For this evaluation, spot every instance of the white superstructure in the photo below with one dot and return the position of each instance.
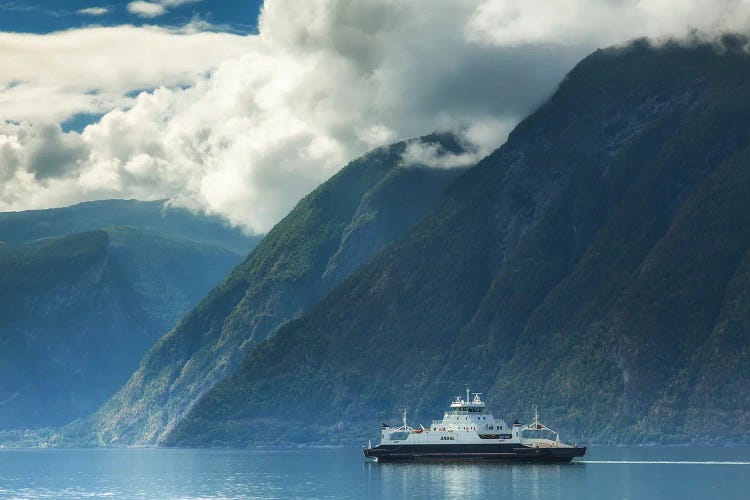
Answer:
(468, 422)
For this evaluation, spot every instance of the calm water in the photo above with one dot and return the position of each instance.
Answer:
(620, 473)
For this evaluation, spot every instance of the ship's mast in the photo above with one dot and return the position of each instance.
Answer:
(467, 393)
(404, 417)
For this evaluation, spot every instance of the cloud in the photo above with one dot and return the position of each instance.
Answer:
(35, 157)
(177, 3)
(93, 11)
(323, 82)
(155, 8)
(52, 77)
(591, 22)
(479, 139)
(435, 156)
(146, 9)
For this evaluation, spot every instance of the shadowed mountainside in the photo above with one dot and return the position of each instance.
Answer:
(77, 312)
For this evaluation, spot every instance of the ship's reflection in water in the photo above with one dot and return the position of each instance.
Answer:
(470, 480)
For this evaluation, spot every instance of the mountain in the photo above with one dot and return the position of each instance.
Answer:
(327, 236)
(155, 217)
(77, 312)
(597, 264)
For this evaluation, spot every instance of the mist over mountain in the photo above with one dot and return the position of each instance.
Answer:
(79, 309)
(330, 234)
(596, 265)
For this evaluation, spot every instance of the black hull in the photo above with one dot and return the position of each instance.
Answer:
(472, 452)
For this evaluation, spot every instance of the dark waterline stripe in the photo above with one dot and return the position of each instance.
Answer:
(661, 462)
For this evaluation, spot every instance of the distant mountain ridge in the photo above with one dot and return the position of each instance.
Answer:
(79, 309)
(329, 234)
(156, 217)
(597, 264)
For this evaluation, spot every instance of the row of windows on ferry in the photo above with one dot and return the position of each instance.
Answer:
(467, 418)
(490, 427)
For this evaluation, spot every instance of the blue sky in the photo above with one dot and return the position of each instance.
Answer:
(44, 16)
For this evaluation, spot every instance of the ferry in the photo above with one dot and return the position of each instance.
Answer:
(469, 432)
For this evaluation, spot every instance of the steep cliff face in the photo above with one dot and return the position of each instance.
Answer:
(78, 312)
(596, 265)
(329, 234)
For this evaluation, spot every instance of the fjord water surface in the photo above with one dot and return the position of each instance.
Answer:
(616, 473)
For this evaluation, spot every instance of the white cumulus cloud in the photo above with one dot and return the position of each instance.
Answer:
(155, 8)
(322, 82)
(512, 22)
(93, 70)
(146, 9)
(93, 11)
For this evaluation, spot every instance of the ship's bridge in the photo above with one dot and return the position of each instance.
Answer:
(467, 406)
(469, 415)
